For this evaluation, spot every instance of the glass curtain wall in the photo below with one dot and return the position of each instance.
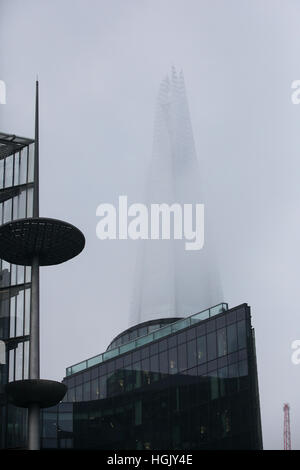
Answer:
(16, 202)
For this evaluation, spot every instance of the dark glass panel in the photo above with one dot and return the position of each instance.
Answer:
(153, 348)
(87, 376)
(137, 366)
(243, 374)
(223, 374)
(154, 363)
(211, 326)
(221, 322)
(142, 331)
(71, 394)
(191, 334)
(103, 386)
(86, 391)
(182, 357)
(50, 425)
(163, 362)
(136, 355)
(181, 337)
(211, 346)
(95, 391)
(145, 352)
(232, 378)
(193, 371)
(94, 372)
(240, 314)
(79, 379)
(172, 341)
(163, 345)
(111, 366)
(212, 365)
(201, 330)
(242, 355)
(119, 363)
(125, 338)
(65, 422)
(241, 329)
(145, 365)
(232, 358)
(201, 349)
(243, 368)
(222, 343)
(173, 361)
(232, 338)
(78, 393)
(127, 360)
(192, 353)
(222, 362)
(214, 385)
(231, 317)
(102, 369)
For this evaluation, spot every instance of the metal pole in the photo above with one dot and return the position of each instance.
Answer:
(36, 202)
(34, 345)
(34, 348)
(34, 427)
(34, 355)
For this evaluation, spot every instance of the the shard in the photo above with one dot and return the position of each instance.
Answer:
(170, 281)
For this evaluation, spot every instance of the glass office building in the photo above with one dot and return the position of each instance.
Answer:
(166, 384)
(16, 202)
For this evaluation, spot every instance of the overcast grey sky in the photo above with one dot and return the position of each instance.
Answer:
(100, 63)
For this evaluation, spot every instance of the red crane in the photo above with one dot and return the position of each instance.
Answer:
(286, 428)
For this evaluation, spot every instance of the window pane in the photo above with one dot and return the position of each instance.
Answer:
(78, 392)
(163, 362)
(191, 353)
(214, 386)
(11, 365)
(241, 327)
(103, 387)
(95, 389)
(9, 171)
(154, 363)
(26, 359)
(16, 171)
(7, 217)
(243, 368)
(222, 346)
(86, 391)
(182, 357)
(65, 422)
(173, 363)
(23, 166)
(211, 346)
(201, 349)
(231, 338)
(22, 205)
(30, 202)
(20, 312)
(19, 362)
(31, 163)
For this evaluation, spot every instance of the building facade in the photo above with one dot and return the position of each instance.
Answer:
(177, 384)
(16, 202)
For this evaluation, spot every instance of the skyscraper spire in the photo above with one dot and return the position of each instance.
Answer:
(170, 282)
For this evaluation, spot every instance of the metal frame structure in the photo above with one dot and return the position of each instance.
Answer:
(35, 241)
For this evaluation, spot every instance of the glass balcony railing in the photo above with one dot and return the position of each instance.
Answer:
(142, 340)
